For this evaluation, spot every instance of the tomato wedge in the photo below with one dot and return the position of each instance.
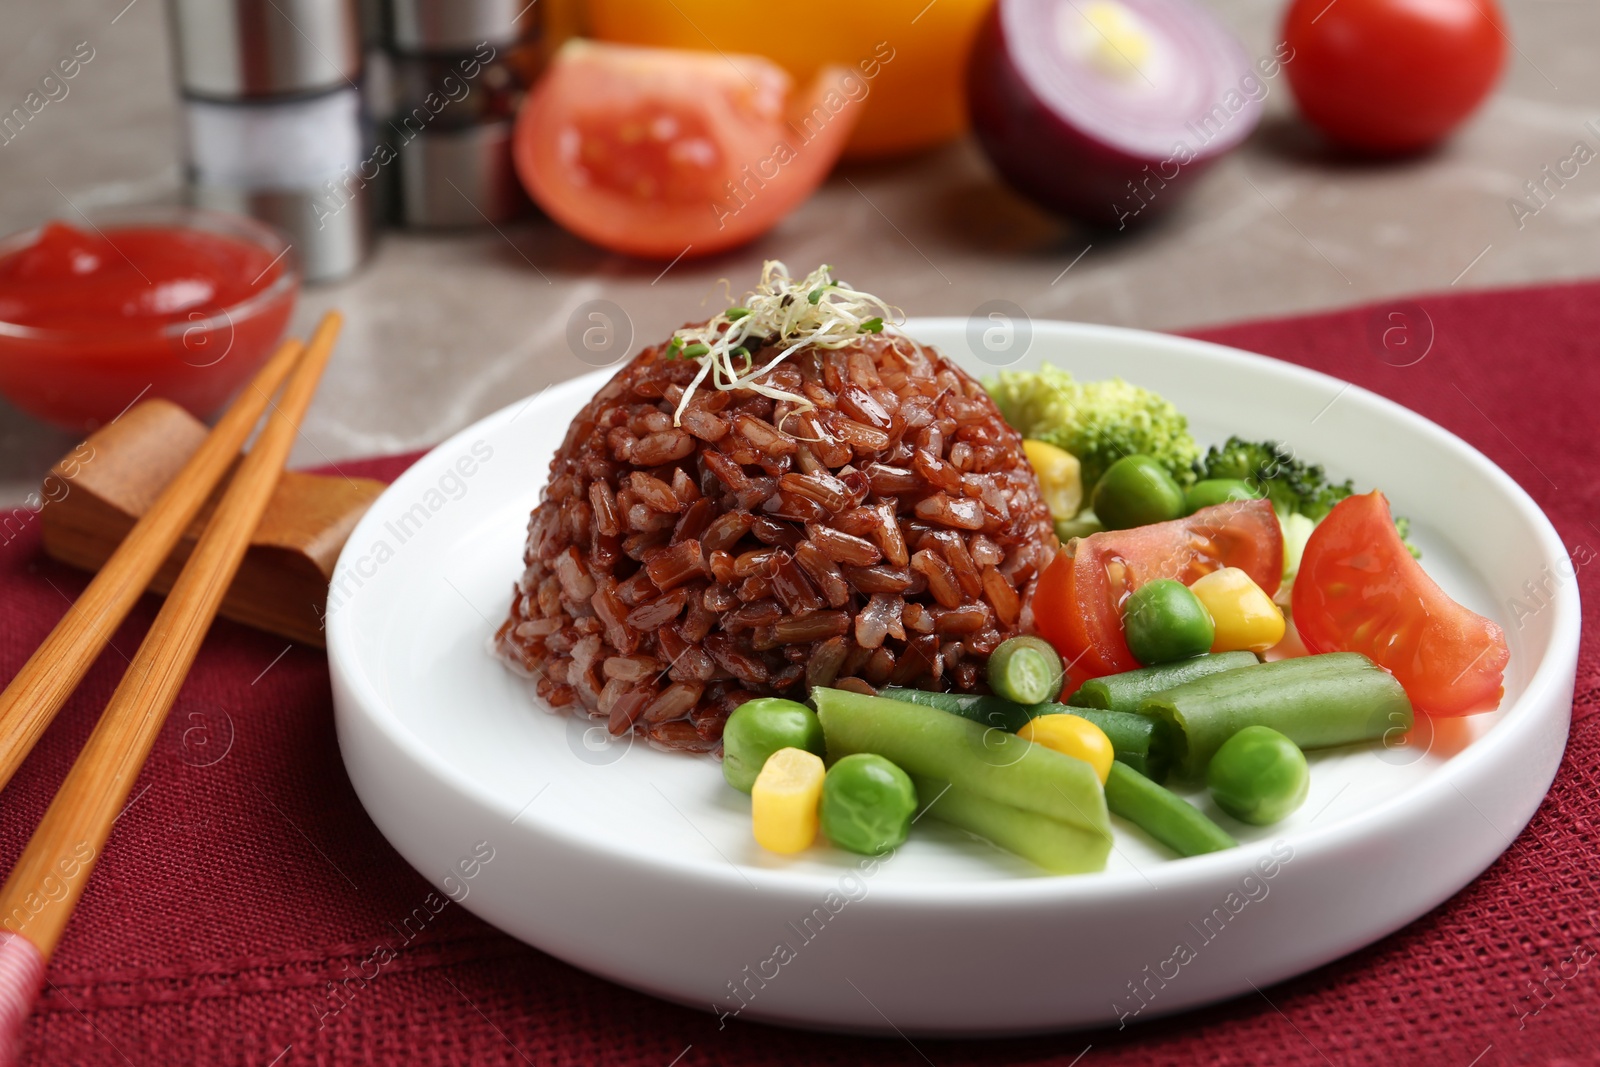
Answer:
(1077, 605)
(662, 153)
(1359, 590)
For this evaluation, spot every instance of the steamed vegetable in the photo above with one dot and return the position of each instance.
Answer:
(758, 728)
(1059, 847)
(1136, 490)
(783, 801)
(983, 709)
(1245, 618)
(1060, 477)
(988, 763)
(1164, 621)
(1099, 422)
(1209, 491)
(1316, 701)
(1163, 814)
(867, 804)
(1126, 691)
(1258, 776)
(1294, 486)
(1138, 740)
(1025, 670)
(1083, 524)
(1077, 603)
(1075, 736)
(1142, 742)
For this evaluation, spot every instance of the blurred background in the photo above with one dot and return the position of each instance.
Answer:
(445, 324)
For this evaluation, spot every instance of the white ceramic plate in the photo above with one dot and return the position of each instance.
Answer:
(638, 865)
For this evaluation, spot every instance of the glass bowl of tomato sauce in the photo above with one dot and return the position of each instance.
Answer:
(102, 310)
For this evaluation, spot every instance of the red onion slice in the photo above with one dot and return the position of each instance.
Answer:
(1107, 110)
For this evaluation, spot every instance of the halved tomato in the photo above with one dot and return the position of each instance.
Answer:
(1359, 590)
(662, 153)
(1077, 605)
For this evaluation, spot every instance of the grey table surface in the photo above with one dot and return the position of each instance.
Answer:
(442, 329)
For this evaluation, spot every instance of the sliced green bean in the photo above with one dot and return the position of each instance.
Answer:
(1163, 814)
(1058, 847)
(1141, 741)
(1026, 670)
(1126, 691)
(986, 762)
(1336, 698)
(985, 710)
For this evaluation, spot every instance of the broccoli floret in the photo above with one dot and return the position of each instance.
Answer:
(1294, 487)
(1099, 422)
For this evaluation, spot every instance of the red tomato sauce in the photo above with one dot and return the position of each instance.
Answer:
(93, 319)
(128, 276)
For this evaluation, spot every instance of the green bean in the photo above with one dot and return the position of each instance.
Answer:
(998, 712)
(1027, 670)
(1126, 691)
(983, 761)
(1163, 814)
(1142, 742)
(1315, 701)
(1058, 847)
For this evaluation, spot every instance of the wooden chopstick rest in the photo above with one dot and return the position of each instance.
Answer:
(100, 489)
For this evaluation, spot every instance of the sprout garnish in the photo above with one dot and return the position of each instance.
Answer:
(781, 311)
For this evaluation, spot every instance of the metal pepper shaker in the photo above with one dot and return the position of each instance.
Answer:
(275, 121)
(458, 69)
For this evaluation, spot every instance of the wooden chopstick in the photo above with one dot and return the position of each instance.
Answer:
(41, 687)
(44, 886)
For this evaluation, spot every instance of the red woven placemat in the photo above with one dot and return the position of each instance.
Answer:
(244, 899)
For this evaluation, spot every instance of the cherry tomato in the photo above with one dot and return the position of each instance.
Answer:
(1359, 590)
(909, 57)
(657, 152)
(1077, 605)
(1392, 75)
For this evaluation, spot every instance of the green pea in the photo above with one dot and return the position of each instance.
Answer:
(1211, 491)
(867, 804)
(1258, 776)
(757, 729)
(1136, 491)
(1163, 621)
(1026, 670)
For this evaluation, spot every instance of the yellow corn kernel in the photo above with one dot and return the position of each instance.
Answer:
(783, 803)
(1245, 615)
(1060, 477)
(1074, 736)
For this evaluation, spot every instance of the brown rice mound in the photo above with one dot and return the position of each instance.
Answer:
(892, 533)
